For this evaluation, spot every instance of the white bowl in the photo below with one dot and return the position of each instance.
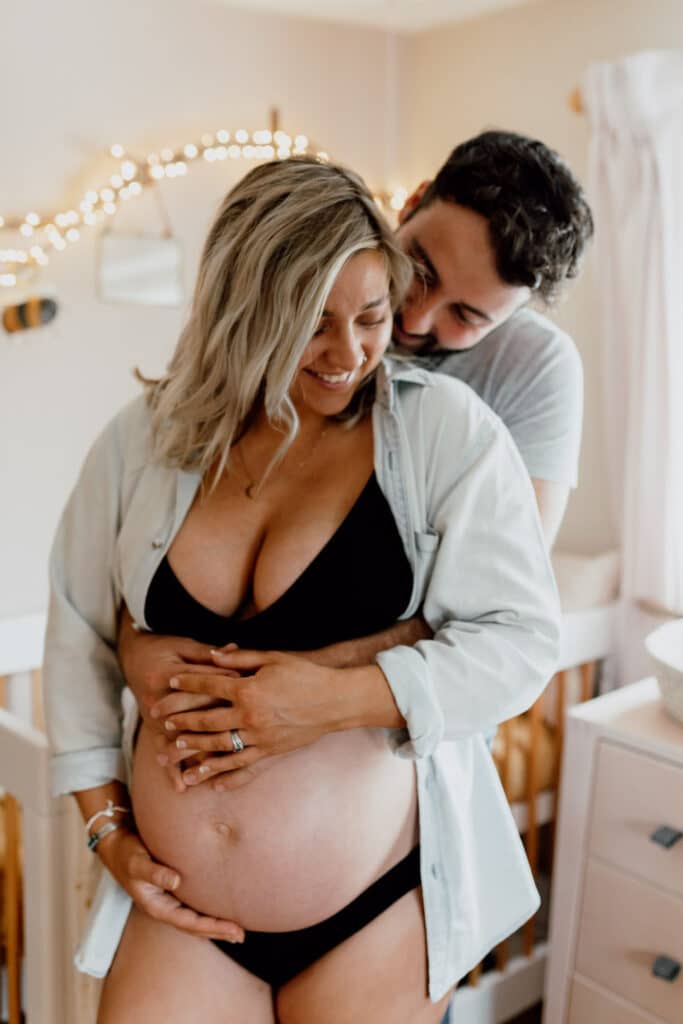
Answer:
(665, 647)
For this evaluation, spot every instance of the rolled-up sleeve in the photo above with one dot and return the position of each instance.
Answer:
(490, 599)
(82, 681)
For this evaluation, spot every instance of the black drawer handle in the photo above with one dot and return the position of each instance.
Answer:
(666, 836)
(666, 968)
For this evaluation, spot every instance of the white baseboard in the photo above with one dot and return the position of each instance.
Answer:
(501, 995)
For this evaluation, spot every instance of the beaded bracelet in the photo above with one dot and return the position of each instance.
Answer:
(106, 830)
(108, 812)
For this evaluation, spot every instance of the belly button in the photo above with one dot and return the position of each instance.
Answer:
(224, 829)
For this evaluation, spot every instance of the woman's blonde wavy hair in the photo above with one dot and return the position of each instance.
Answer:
(278, 243)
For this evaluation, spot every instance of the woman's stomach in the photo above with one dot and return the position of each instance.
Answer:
(294, 844)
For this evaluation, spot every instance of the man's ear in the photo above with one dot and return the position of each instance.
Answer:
(413, 201)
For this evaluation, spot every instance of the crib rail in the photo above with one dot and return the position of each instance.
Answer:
(537, 807)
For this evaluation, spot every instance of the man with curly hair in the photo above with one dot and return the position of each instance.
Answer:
(503, 222)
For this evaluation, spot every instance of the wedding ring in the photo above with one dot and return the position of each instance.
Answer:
(237, 743)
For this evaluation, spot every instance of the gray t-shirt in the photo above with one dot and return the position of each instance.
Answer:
(529, 372)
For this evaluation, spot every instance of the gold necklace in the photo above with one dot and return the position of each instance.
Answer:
(252, 484)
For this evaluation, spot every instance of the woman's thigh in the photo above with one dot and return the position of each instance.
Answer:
(379, 975)
(161, 975)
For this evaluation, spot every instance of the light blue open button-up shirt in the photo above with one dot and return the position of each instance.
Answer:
(466, 512)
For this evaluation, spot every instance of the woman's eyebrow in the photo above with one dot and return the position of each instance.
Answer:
(368, 305)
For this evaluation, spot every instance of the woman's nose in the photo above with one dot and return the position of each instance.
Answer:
(346, 350)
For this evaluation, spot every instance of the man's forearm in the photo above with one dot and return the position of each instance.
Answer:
(362, 651)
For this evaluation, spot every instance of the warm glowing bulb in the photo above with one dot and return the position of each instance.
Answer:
(283, 152)
(73, 234)
(268, 152)
(106, 195)
(33, 219)
(62, 220)
(153, 159)
(301, 142)
(190, 151)
(157, 171)
(181, 167)
(8, 280)
(234, 152)
(322, 155)
(262, 137)
(135, 188)
(210, 154)
(207, 139)
(128, 170)
(2, 221)
(167, 155)
(90, 218)
(110, 208)
(116, 181)
(241, 136)
(91, 197)
(221, 152)
(117, 151)
(222, 136)
(26, 230)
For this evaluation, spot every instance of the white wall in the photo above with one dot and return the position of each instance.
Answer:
(515, 69)
(84, 74)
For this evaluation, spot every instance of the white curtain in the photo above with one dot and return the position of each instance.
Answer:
(635, 108)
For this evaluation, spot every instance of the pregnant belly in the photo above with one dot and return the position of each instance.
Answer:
(293, 845)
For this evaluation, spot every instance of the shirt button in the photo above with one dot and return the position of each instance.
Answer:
(157, 542)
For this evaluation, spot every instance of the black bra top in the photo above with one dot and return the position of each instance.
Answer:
(359, 583)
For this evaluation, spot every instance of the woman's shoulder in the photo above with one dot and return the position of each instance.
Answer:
(441, 402)
(125, 442)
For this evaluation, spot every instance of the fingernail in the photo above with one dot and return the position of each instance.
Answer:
(203, 769)
(181, 744)
(174, 683)
(170, 726)
(162, 759)
(175, 882)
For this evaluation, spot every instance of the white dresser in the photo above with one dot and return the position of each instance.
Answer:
(616, 926)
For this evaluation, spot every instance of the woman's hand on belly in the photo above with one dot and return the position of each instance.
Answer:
(151, 886)
(286, 703)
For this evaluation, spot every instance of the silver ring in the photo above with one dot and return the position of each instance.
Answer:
(237, 743)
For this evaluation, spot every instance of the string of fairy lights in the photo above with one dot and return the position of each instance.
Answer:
(44, 235)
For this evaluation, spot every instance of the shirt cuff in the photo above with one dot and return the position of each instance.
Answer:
(410, 685)
(84, 769)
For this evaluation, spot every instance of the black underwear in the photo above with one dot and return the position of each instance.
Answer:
(277, 957)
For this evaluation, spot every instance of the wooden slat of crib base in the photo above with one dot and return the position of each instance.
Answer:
(474, 976)
(37, 699)
(501, 954)
(12, 902)
(531, 837)
(587, 680)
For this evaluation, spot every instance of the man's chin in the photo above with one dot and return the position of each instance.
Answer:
(411, 343)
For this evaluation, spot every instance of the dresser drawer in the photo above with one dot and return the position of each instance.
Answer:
(625, 926)
(634, 796)
(588, 1006)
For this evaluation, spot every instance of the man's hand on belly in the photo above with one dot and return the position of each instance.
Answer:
(285, 703)
(149, 661)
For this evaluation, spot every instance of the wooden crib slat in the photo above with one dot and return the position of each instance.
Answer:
(587, 679)
(12, 902)
(531, 839)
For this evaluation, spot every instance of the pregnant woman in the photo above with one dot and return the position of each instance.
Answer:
(285, 487)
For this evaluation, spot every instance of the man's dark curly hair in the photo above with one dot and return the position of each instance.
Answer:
(539, 219)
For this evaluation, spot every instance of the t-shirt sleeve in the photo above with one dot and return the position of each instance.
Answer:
(542, 407)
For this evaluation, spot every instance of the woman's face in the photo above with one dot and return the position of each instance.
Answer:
(351, 338)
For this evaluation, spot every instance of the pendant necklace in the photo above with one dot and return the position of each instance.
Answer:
(250, 490)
